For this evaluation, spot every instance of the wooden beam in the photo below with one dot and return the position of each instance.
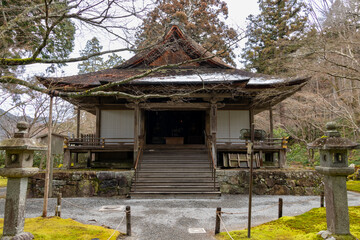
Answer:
(115, 106)
(174, 105)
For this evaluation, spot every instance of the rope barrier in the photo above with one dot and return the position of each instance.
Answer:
(116, 229)
(222, 221)
(271, 206)
(74, 205)
(263, 209)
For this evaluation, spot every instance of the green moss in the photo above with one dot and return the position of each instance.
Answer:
(65, 229)
(305, 226)
(353, 185)
(88, 170)
(3, 182)
(18, 61)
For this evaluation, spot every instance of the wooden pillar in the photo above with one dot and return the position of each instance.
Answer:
(271, 122)
(98, 122)
(252, 130)
(77, 131)
(67, 159)
(136, 129)
(97, 127)
(282, 158)
(142, 125)
(49, 165)
(213, 128)
(77, 122)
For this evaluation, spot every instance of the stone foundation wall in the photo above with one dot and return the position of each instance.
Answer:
(118, 183)
(84, 183)
(271, 182)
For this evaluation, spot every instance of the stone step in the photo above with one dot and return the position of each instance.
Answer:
(174, 172)
(182, 195)
(174, 184)
(174, 175)
(175, 165)
(172, 188)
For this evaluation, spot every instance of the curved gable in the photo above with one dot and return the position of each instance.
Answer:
(176, 47)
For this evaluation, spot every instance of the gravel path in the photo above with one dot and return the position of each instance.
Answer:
(171, 218)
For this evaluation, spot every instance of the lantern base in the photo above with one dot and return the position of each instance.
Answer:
(18, 172)
(22, 236)
(335, 171)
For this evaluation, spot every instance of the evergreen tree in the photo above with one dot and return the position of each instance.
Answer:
(201, 19)
(273, 34)
(23, 28)
(96, 63)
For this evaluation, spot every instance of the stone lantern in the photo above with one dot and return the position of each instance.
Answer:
(18, 168)
(334, 167)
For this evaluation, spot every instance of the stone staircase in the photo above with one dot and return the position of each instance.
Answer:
(175, 172)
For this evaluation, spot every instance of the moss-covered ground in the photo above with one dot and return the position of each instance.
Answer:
(56, 228)
(353, 185)
(305, 226)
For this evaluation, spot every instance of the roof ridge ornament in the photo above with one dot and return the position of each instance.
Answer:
(175, 21)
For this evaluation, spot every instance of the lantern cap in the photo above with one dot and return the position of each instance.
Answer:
(21, 141)
(332, 140)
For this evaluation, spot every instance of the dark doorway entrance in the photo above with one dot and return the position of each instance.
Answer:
(175, 127)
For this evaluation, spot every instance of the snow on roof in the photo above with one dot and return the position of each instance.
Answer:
(195, 78)
(211, 78)
(265, 81)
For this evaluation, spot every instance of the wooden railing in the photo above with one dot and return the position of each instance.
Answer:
(137, 161)
(87, 140)
(268, 142)
(210, 147)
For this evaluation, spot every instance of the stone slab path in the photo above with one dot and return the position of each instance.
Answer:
(170, 219)
(2, 192)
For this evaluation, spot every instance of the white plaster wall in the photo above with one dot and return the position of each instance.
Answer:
(117, 124)
(230, 122)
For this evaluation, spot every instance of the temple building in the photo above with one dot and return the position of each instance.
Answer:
(182, 121)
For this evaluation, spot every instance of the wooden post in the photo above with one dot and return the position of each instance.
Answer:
(280, 208)
(58, 206)
(282, 158)
(142, 126)
(77, 131)
(252, 136)
(98, 122)
(136, 130)
(48, 161)
(322, 197)
(77, 122)
(271, 122)
(128, 221)
(51, 175)
(217, 223)
(271, 119)
(67, 159)
(213, 128)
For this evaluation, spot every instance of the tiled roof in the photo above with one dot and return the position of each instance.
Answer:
(176, 47)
